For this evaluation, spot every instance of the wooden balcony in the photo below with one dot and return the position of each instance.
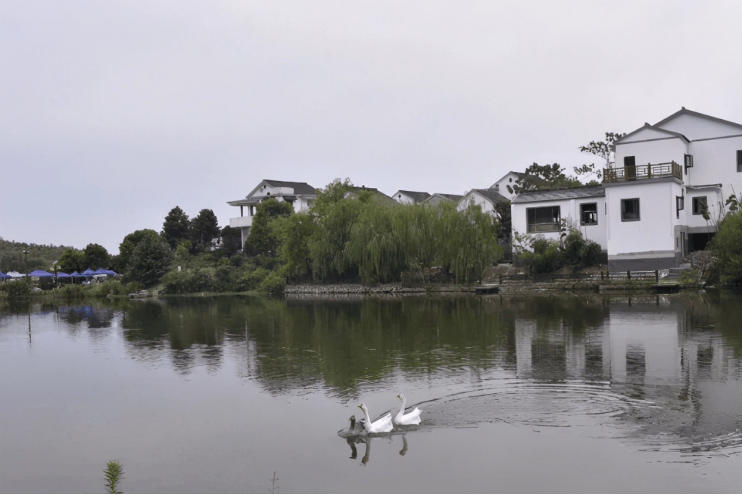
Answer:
(641, 172)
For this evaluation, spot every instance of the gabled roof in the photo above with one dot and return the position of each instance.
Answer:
(654, 128)
(417, 196)
(684, 111)
(560, 194)
(299, 187)
(490, 194)
(452, 197)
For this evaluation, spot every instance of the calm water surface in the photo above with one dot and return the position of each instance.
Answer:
(519, 394)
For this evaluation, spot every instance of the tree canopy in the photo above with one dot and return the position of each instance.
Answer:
(176, 227)
(204, 227)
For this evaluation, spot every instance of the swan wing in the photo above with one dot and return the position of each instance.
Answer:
(411, 418)
(382, 425)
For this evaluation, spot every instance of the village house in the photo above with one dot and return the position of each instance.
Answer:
(649, 212)
(410, 197)
(298, 194)
(485, 198)
(440, 198)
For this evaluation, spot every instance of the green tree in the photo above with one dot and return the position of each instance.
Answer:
(543, 177)
(602, 149)
(150, 260)
(262, 241)
(204, 227)
(176, 227)
(727, 247)
(293, 234)
(127, 247)
(231, 240)
(96, 256)
(71, 260)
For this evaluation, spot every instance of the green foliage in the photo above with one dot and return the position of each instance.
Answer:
(543, 177)
(262, 240)
(107, 287)
(252, 279)
(506, 223)
(127, 247)
(204, 227)
(187, 282)
(113, 473)
(727, 247)
(36, 256)
(293, 234)
(72, 291)
(546, 256)
(176, 227)
(15, 288)
(273, 284)
(71, 261)
(231, 240)
(96, 256)
(150, 260)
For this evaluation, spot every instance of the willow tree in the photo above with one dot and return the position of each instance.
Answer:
(375, 246)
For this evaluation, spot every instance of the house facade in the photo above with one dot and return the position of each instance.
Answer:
(509, 179)
(484, 198)
(440, 198)
(651, 213)
(410, 197)
(298, 194)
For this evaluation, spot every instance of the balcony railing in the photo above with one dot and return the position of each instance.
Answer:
(239, 222)
(641, 172)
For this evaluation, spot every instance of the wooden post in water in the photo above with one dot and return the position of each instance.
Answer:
(628, 274)
(657, 276)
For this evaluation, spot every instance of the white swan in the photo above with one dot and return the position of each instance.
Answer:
(381, 425)
(411, 418)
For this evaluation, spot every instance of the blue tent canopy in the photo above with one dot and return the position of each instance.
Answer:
(40, 273)
(75, 274)
(88, 273)
(62, 275)
(3, 276)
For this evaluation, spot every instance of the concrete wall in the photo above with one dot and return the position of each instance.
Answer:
(660, 151)
(694, 127)
(651, 242)
(715, 162)
(570, 211)
(501, 185)
(477, 199)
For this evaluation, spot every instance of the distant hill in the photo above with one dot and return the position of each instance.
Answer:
(39, 257)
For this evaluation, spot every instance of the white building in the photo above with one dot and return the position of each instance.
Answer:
(652, 210)
(485, 198)
(509, 179)
(410, 197)
(298, 194)
(440, 198)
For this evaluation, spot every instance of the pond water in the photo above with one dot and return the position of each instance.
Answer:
(519, 394)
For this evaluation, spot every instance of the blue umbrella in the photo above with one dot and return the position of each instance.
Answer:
(40, 273)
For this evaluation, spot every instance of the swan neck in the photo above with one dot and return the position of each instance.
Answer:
(368, 419)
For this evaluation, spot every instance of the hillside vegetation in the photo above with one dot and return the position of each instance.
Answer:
(38, 256)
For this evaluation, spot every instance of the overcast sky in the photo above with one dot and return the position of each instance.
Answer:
(112, 113)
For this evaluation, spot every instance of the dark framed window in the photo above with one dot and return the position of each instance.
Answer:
(739, 160)
(699, 205)
(679, 205)
(688, 162)
(629, 163)
(589, 214)
(630, 210)
(546, 219)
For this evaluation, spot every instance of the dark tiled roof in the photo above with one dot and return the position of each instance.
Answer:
(560, 194)
(417, 196)
(299, 187)
(452, 197)
(491, 194)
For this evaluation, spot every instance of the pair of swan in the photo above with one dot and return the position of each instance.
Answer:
(384, 424)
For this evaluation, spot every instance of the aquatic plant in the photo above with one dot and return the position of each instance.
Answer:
(114, 473)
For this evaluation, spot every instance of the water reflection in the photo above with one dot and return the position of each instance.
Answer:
(669, 364)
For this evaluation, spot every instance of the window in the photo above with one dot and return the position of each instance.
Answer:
(589, 214)
(629, 163)
(699, 205)
(630, 210)
(545, 219)
(739, 160)
(679, 205)
(688, 162)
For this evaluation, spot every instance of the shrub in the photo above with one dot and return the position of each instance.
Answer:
(72, 291)
(545, 258)
(187, 282)
(251, 280)
(273, 284)
(16, 288)
(112, 287)
(727, 247)
(591, 253)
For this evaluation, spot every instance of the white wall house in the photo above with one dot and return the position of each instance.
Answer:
(485, 198)
(509, 179)
(651, 212)
(410, 197)
(440, 198)
(540, 212)
(298, 194)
